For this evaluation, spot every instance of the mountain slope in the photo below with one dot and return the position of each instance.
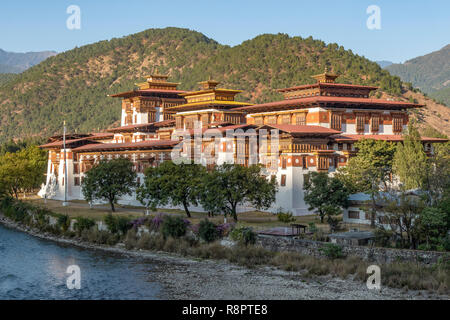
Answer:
(74, 85)
(429, 73)
(5, 77)
(442, 95)
(384, 63)
(13, 62)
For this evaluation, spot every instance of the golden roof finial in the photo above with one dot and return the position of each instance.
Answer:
(208, 84)
(325, 77)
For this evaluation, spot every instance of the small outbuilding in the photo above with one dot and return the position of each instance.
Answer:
(355, 238)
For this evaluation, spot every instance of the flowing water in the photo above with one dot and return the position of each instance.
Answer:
(31, 268)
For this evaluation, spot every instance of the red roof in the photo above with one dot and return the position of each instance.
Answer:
(143, 91)
(132, 127)
(323, 84)
(148, 144)
(220, 129)
(385, 137)
(291, 128)
(325, 100)
(60, 143)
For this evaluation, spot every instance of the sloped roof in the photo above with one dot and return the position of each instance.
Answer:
(385, 137)
(148, 144)
(291, 128)
(283, 104)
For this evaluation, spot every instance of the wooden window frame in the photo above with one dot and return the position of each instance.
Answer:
(360, 123)
(283, 180)
(356, 214)
(300, 119)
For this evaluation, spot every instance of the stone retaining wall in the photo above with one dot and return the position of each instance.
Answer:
(372, 254)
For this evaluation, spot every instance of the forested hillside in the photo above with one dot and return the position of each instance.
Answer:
(429, 73)
(442, 95)
(74, 85)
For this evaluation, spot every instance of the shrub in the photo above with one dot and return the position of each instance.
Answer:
(244, 235)
(117, 224)
(332, 251)
(207, 231)
(131, 239)
(17, 211)
(312, 227)
(173, 227)
(285, 217)
(224, 229)
(383, 237)
(63, 222)
(83, 224)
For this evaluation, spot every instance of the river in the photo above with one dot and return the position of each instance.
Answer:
(32, 268)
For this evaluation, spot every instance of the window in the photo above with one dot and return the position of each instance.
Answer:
(375, 123)
(75, 168)
(340, 146)
(272, 120)
(76, 181)
(205, 120)
(286, 119)
(258, 120)
(300, 119)
(283, 180)
(397, 124)
(353, 214)
(304, 163)
(336, 121)
(283, 163)
(189, 122)
(179, 123)
(151, 116)
(360, 119)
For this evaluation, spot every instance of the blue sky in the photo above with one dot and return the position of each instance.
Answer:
(408, 28)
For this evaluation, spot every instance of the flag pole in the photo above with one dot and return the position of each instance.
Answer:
(65, 203)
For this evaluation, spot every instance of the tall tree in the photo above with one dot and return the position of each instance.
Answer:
(109, 180)
(370, 170)
(400, 212)
(22, 170)
(410, 160)
(178, 184)
(325, 194)
(236, 185)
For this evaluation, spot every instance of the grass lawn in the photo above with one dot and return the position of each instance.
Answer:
(256, 219)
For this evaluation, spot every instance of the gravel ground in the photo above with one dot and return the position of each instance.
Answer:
(197, 280)
(193, 279)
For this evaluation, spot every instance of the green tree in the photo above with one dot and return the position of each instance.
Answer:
(325, 194)
(370, 170)
(400, 212)
(179, 184)
(109, 180)
(238, 185)
(22, 170)
(433, 227)
(410, 160)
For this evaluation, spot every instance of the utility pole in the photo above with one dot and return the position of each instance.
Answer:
(65, 203)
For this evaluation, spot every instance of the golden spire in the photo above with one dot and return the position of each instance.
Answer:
(208, 84)
(325, 77)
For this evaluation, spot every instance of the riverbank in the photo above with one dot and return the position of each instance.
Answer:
(186, 278)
